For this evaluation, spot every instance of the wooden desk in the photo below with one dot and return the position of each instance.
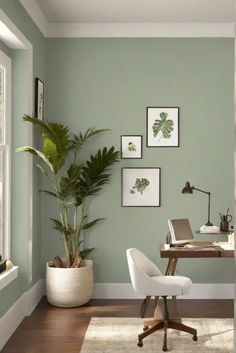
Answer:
(203, 250)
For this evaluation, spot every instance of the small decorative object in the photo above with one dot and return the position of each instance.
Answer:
(39, 99)
(224, 221)
(162, 127)
(131, 146)
(9, 265)
(141, 187)
(189, 190)
(231, 238)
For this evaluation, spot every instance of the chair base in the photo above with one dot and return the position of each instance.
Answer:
(155, 325)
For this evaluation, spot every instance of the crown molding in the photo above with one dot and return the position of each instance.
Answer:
(11, 35)
(140, 30)
(34, 11)
(126, 30)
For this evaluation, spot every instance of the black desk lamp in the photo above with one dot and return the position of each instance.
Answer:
(188, 189)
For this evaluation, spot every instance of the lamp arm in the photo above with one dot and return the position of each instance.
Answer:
(209, 204)
(205, 192)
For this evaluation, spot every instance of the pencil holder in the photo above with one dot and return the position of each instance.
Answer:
(224, 226)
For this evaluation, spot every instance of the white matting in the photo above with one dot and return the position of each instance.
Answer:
(119, 335)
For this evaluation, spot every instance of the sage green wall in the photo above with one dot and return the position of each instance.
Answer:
(20, 72)
(108, 83)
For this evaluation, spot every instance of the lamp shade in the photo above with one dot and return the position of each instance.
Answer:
(188, 189)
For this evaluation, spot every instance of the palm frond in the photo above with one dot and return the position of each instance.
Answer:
(38, 153)
(85, 252)
(80, 139)
(57, 143)
(92, 223)
(94, 173)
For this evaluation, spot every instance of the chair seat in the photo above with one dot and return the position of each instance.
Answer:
(167, 285)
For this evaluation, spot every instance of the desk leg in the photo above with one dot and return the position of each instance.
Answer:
(171, 267)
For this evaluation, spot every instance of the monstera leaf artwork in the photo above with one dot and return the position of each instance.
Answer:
(163, 126)
(140, 186)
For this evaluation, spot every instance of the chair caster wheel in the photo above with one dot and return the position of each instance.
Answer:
(145, 328)
(140, 344)
(195, 338)
(164, 349)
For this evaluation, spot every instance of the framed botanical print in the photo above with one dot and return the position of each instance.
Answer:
(141, 187)
(162, 126)
(131, 146)
(39, 99)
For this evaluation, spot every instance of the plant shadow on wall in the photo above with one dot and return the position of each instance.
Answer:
(71, 182)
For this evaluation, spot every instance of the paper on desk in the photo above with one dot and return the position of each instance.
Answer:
(202, 246)
(224, 245)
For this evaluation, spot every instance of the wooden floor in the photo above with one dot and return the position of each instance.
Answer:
(56, 330)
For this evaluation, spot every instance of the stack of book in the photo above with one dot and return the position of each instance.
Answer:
(209, 229)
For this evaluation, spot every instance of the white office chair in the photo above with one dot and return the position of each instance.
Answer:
(148, 280)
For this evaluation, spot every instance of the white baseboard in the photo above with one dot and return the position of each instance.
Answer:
(21, 308)
(198, 291)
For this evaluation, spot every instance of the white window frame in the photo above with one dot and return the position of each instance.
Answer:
(5, 62)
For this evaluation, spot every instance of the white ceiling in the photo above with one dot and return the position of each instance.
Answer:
(134, 11)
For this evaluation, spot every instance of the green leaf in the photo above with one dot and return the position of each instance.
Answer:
(43, 171)
(49, 192)
(92, 223)
(57, 143)
(67, 231)
(36, 152)
(80, 139)
(85, 252)
(50, 151)
(94, 173)
(163, 125)
(57, 225)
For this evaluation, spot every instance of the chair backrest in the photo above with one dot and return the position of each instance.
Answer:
(140, 269)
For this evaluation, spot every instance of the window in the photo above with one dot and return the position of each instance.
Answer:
(5, 135)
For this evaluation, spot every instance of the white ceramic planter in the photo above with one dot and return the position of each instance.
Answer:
(69, 287)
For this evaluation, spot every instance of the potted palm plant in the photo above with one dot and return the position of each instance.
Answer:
(69, 279)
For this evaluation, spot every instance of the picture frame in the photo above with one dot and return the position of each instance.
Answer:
(39, 99)
(140, 187)
(162, 126)
(131, 146)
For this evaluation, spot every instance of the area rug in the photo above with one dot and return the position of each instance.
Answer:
(119, 335)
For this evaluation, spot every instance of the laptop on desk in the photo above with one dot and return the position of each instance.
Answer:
(180, 231)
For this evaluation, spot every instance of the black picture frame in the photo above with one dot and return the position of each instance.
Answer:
(158, 139)
(137, 146)
(39, 99)
(151, 192)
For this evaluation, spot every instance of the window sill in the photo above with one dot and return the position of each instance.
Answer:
(8, 276)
